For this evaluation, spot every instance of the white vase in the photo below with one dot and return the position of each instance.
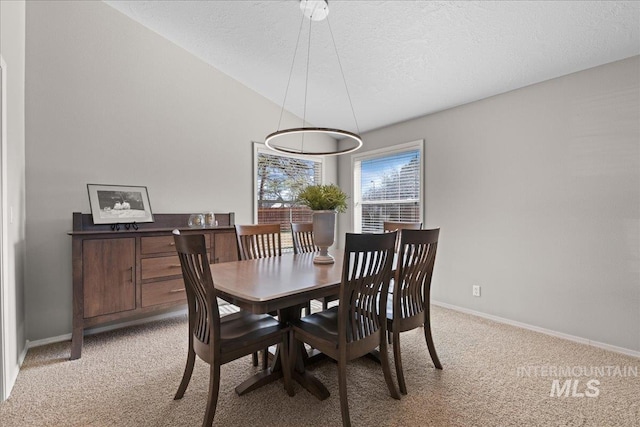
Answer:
(324, 225)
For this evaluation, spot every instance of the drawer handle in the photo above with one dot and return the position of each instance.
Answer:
(172, 244)
(174, 266)
(175, 291)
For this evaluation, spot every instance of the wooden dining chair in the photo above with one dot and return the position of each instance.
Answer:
(357, 325)
(409, 307)
(218, 340)
(398, 225)
(302, 235)
(259, 241)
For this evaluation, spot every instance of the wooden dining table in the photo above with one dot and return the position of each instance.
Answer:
(282, 284)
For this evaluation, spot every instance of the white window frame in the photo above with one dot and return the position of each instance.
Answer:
(259, 147)
(5, 370)
(383, 152)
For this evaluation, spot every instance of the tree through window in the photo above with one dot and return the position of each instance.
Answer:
(279, 179)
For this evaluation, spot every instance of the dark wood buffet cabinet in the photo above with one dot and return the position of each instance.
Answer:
(126, 273)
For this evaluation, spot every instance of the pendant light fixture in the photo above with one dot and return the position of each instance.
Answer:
(292, 140)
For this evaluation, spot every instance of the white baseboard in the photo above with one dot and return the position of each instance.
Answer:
(67, 337)
(622, 350)
(13, 377)
(616, 349)
(22, 356)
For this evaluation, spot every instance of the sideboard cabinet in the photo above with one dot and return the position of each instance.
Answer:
(118, 274)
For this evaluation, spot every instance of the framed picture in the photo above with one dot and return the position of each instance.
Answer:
(112, 204)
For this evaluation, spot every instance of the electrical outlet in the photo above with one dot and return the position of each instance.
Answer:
(476, 290)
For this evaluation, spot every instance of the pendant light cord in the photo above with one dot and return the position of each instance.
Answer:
(306, 83)
(293, 61)
(343, 134)
(343, 78)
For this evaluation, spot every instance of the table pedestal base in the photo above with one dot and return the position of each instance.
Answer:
(258, 380)
(274, 372)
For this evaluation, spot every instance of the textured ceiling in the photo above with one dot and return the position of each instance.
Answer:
(401, 59)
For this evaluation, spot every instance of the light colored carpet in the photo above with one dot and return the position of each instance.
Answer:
(128, 378)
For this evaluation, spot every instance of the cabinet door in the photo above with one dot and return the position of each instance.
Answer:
(225, 247)
(108, 276)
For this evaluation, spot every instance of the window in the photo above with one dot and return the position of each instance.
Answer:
(278, 180)
(387, 186)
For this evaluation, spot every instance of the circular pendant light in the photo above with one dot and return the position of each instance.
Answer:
(347, 142)
(292, 140)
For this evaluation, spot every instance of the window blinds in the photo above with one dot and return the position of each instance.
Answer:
(389, 189)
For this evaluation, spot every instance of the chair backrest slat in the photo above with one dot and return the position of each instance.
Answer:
(399, 225)
(258, 241)
(204, 315)
(302, 235)
(416, 260)
(368, 260)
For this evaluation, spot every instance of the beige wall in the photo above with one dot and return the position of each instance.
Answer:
(111, 102)
(536, 191)
(537, 194)
(12, 49)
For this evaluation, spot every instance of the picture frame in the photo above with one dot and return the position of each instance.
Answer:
(119, 204)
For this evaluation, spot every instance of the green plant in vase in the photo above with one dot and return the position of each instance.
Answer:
(328, 197)
(325, 201)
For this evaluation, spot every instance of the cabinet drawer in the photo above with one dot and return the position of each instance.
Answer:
(160, 267)
(166, 266)
(163, 244)
(163, 292)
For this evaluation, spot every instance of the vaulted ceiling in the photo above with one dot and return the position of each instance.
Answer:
(401, 59)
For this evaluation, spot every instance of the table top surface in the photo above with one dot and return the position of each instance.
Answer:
(265, 284)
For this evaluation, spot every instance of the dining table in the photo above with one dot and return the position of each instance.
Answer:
(281, 284)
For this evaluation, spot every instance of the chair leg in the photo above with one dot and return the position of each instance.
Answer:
(286, 364)
(292, 352)
(308, 308)
(212, 401)
(325, 304)
(265, 358)
(386, 369)
(431, 346)
(254, 358)
(342, 385)
(186, 377)
(398, 362)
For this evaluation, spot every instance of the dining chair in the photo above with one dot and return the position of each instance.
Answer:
(302, 235)
(259, 241)
(218, 340)
(399, 225)
(409, 307)
(388, 226)
(357, 325)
